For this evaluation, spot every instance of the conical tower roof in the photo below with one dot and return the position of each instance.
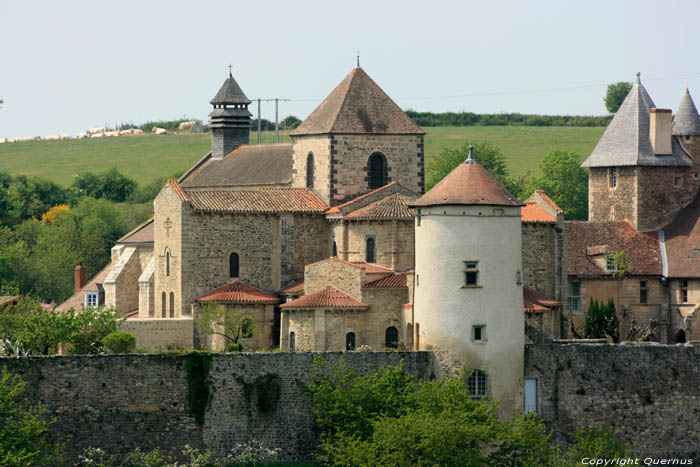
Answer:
(687, 121)
(230, 93)
(357, 106)
(468, 183)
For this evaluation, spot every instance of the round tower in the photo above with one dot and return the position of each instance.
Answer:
(686, 126)
(468, 303)
(230, 119)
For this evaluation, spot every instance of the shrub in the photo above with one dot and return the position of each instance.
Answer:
(119, 342)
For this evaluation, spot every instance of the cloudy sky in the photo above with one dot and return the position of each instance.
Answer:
(69, 65)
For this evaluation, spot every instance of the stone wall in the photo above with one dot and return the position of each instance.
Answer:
(663, 192)
(123, 402)
(540, 259)
(320, 147)
(649, 393)
(612, 204)
(394, 242)
(160, 334)
(342, 276)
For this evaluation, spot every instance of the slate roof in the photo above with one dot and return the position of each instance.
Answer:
(468, 184)
(238, 292)
(265, 164)
(531, 213)
(394, 206)
(141, 234)
(230, 93)
(588, 239)
(626, 140)
(687, 120)
(256, 201)
(357, 106)
(682, 242)
(330, 297)
(388, 282)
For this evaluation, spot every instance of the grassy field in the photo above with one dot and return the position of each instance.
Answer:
(147, 157)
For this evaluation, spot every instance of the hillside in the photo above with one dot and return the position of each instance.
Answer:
(147, 157)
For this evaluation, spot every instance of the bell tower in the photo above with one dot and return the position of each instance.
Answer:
(230, 119)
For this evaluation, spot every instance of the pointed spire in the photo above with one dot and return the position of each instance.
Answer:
(230, 93)
(470, 158)
(687, 121)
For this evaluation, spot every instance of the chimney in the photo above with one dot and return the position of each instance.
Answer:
(79, 277)
(660, 130)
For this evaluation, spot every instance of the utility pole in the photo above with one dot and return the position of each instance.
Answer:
(276, 100)
(259, 121)
(277, 126)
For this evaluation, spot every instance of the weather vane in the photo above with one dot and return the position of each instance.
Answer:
(358, 59)
(229, 70)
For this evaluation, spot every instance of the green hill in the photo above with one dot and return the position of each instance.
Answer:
(147, 157)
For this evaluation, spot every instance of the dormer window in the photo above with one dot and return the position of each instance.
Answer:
(92, 299)
(611, 263)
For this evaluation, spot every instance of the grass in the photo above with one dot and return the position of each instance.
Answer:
(147, 157)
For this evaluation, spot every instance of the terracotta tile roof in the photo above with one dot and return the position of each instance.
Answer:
(141, 234)
(535, 302)
(391, 281)
(357, 105)
(131, 314)
(338, 208)
(293, 288)
(407, 305)
(266, 164)
(178, 189)
(549, 201)
(531, 213)
(238, 292)
(468, 183)
(641, 248)
(682, 242)
(77, 300)
(330, 297)
(370, 268)
(263, 200)
(392, 207)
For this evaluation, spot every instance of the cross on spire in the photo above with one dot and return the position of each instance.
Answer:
(358, 59)
(230, 75)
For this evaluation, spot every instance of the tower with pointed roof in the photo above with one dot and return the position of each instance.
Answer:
(468, 304)
(230, 119)
(355, 141)
(639, 171)
(686, 126)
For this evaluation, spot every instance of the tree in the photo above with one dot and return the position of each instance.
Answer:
(565, 181)
(615, 94)
(290, 122)
(110, 184)
(215, 318)
(601, 321)
(23, 434)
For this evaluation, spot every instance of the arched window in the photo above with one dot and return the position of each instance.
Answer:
(167, 263)
(310, 170)
(172, 305)
(370, 256)
(350, 341)
(377, 168)
(292, 341)
(335, 249)
(679, 338)
(162, 306)
(392, 338)
(477, 384)
(233, 268)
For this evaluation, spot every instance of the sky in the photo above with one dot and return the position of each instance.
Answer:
(71, 65)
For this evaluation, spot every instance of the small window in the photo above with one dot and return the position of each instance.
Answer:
(643, 292)
(611, 263)
(163, 305)
(167, 263)
(172, 305)
(335, 249)
(247, 327)
(350, 341)
(370, 254)
(574, 297)
(477, 384)
(684, 291)
(418, 213)
(612, 177)
(677, 181)
(310, 170)
(91, 299)
(479, 333)
(292, 341)
(687, 138)
(233, 265)
(392, 338)
(377, 170)
(471, 273)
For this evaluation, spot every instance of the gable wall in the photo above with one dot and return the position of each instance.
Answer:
(320, 146)
(602, 198)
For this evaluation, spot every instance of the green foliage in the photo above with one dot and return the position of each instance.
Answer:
(564, 180)
(621, 262)
(290, 122)
(267, 388)
(391, 418)
(601, 321)
(238, 347)
(215, 318)
(155, 458)
(148, 192)
(119, 342)
(596, 443)
(23, 434)
(109, 184)
(25, 197)
(431, 119)
(199, 394)
(616, 94)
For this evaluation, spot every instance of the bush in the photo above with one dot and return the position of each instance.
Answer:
(119, 342)
(601, 321)
(237, 347)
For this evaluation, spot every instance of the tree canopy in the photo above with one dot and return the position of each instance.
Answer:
(615, 94)
(216, 318)
(564, 180)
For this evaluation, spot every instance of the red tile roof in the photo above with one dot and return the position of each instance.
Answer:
(178, 189)
(357, 106)
(391, 281)
(549, 201)
(641, 248)
(293, 288)
(531, 213)
(682, 242)
(264, 200)
(141, 234)
(330, 297)
(336, 209)
(238, 292)
(469, 183)
(535, 302)
(392, 207)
